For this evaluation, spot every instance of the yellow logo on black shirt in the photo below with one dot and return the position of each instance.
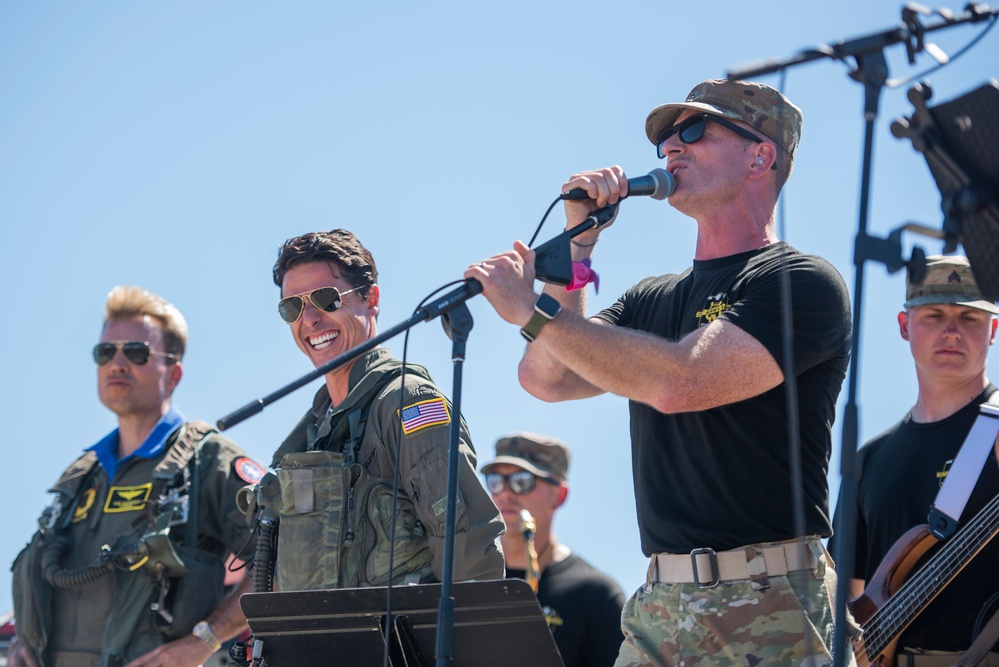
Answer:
(127, 498)
(717, 304)
(942, 475)
(553, 617)
(86, 502)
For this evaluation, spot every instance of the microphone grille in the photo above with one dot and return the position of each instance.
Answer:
(665, 183)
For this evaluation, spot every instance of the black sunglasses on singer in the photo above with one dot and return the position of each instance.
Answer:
(691, 130)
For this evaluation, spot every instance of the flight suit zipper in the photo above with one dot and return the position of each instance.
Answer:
(351, 502)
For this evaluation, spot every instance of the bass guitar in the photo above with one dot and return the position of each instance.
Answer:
(892, 599)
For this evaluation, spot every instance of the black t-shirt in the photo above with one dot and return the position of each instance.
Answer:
(901, 473)
(721, 478)
(583, 608)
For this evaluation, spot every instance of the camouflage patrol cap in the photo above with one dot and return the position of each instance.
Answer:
(759, 105)
(540, 454)
(948, 280)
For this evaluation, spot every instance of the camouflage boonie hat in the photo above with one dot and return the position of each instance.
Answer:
(948, 280)
(759, 105)
(539, 454)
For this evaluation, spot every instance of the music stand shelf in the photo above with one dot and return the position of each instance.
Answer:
(496, 624)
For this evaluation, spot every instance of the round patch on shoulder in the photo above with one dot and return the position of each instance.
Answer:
(248, 470)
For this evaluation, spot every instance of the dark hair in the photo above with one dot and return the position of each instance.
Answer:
(337, 245)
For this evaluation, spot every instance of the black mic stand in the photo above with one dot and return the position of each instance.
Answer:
(872, 72)
(457, 325)
(553, 264)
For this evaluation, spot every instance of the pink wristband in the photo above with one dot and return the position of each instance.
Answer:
(582, 275)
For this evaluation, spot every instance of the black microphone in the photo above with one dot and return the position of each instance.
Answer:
(658, 184)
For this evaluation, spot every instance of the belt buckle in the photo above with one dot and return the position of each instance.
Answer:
(713, 559)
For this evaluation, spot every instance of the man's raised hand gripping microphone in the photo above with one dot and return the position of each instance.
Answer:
(658, 184)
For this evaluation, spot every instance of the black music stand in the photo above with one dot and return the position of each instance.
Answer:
(960, 141)
(496, 624)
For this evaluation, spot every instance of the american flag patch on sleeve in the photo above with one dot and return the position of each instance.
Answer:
(423, 414)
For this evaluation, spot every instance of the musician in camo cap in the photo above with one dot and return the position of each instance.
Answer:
(698, 353)
(950, 327)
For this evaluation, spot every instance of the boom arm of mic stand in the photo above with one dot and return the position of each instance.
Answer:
(865, 44)
(553, 264)
(444, 304)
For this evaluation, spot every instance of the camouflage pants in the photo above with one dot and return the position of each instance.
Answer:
(770, 621)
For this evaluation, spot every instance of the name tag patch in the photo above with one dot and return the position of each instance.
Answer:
(127, 498)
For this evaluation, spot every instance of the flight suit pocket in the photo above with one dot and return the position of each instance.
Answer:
(312, 517)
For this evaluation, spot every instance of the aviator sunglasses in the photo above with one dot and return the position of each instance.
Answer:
(520, 482)
(137, 352)
(326, 299)
(691, 130)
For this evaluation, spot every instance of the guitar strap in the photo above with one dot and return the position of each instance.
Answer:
(964, 472)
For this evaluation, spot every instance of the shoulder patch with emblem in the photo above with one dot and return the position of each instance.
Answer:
(86, 502)
(424, 414)
(248, 470)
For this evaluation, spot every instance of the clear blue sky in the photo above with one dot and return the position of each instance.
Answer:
(175, 145)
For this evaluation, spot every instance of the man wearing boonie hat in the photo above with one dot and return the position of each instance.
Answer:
(950, 327)
(698, 353)
(582, 604)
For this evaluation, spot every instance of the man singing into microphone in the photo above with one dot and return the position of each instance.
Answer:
(699, 356)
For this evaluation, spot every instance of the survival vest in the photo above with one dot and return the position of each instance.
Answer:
(158, 587)
(335, 518)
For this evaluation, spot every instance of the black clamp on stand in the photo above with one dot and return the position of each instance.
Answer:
(553, 258)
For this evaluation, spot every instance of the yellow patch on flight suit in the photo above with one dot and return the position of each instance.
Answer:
(127, 498)
(86, 502)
